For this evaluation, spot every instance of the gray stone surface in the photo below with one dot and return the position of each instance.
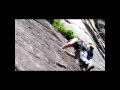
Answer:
(37, 47)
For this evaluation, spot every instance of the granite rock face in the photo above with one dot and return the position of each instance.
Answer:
(37, 47)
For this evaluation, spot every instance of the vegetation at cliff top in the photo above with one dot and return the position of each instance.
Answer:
(68, 33)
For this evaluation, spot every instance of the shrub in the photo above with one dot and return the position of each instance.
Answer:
(63, 30)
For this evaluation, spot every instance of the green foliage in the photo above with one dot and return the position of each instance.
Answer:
(63, 30)
(76, 36)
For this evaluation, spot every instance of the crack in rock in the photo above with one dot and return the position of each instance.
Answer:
(60, 65)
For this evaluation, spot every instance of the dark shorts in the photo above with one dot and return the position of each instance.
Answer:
(89, 57)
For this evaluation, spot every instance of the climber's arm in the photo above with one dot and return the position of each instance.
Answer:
(67, 45)
(71, 54)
